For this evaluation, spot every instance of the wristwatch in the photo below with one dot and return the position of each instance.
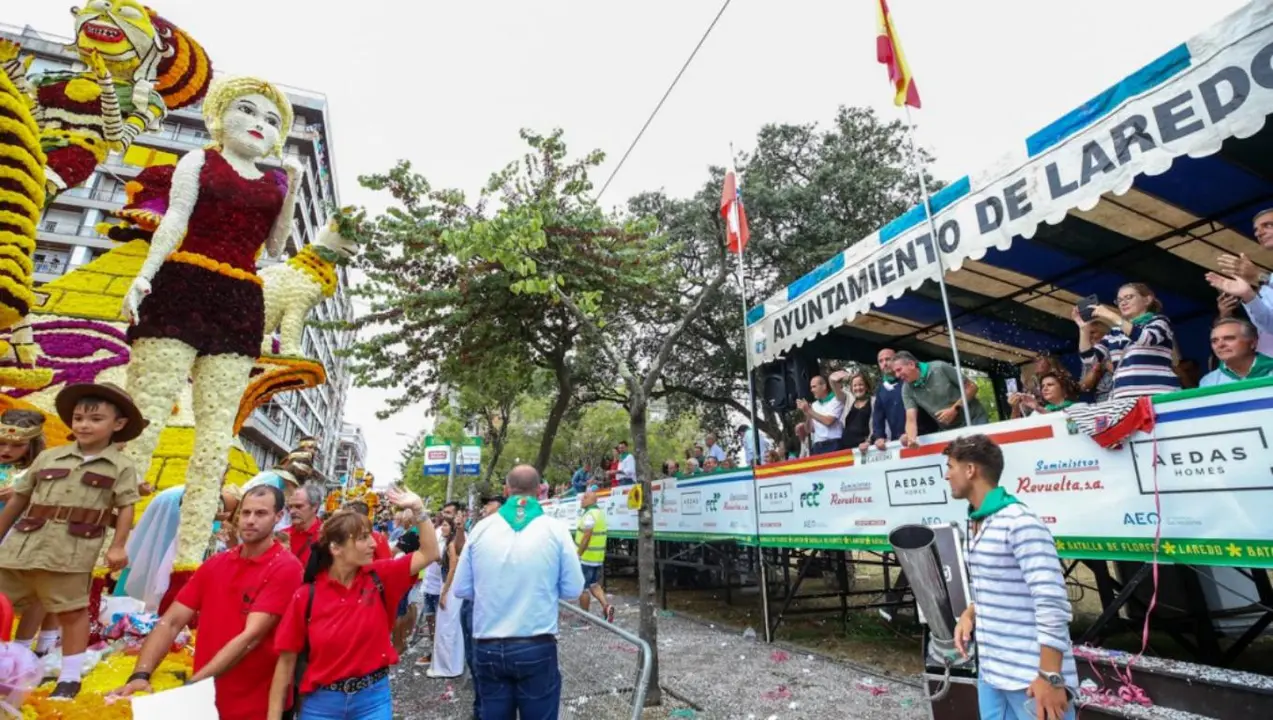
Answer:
(1054, 679)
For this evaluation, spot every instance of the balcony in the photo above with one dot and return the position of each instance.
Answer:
(51, 267)
(113, 196)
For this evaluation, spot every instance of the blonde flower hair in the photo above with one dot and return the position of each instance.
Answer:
(225, 91)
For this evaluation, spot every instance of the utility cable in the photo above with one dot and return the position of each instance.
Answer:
(662, 100)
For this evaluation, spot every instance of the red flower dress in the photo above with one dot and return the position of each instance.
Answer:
(207, 293)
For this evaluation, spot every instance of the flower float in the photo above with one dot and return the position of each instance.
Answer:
(294, 288)
(140, 66)
(108, 675)
(273, 375)
(56, 127)
(358, 492)
(22, 199)
(196, 303)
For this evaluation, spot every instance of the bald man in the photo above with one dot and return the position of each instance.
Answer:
(515, 566)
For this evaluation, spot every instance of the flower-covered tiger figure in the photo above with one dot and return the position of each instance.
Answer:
(140, 66)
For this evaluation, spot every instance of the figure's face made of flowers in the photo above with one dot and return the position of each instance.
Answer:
(119, 30)
(251, 126)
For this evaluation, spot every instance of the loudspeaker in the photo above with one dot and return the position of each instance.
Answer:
(772, 378)
(784, 381)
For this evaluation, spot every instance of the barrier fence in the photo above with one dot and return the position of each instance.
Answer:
(606, 675)
(1198, 480)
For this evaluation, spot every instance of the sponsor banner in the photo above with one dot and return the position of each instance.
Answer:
(1199, 481)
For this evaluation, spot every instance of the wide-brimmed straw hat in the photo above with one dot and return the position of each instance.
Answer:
(71, 395)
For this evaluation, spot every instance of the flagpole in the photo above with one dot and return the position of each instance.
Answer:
(941, 266)
(751, 403)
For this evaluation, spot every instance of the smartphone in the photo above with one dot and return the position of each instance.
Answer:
(1087, 306)
(1012, 387)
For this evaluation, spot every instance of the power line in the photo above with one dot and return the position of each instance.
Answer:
(662, 100)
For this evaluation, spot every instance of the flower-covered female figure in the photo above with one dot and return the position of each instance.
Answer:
(196, 307)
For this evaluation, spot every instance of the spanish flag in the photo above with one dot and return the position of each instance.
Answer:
(888, 51)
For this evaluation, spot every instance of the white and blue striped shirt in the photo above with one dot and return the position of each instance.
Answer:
(1144, 361)
(1021, 599)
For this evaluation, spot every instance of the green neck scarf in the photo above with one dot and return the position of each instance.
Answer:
(827, 398)
(1261, 367)
(889, 378)
(993, 502)
(1142, 318)
(1059, 406)
(625, 456)
(519, 511)
(923, 376)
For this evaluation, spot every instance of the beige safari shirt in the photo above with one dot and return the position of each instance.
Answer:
(52, 547)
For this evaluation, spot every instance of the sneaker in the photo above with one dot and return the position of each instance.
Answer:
(65, 690)
(610, 614)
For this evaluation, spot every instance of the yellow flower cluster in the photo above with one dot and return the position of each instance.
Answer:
(105, 677)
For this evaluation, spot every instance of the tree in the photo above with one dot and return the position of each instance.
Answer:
(634, 320)
(810, 192)
(433, 300)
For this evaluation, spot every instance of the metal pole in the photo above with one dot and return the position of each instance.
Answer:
(941, 269)
(755, 431)
(450, 474)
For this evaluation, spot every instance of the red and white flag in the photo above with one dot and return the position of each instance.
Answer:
(731, 208)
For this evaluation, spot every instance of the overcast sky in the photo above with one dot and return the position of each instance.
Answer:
(447, 85)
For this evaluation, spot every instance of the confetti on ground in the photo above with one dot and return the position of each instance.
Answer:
(781, 693)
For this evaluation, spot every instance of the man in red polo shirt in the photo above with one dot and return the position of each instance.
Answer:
(303, 506)
(239, 595)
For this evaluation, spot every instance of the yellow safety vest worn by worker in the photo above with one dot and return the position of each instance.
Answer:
(595, 554)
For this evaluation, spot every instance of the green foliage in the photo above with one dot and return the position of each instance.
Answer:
(810, 192)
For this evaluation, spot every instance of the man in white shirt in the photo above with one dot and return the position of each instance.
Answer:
(749, 438)
(515, 567)
(714, 450)
(1245, 280)
(627, 466)
(823, 416)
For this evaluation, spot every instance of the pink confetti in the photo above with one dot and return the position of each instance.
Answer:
(782, 693)
(624, 648)
(872, 688)
(779, 656)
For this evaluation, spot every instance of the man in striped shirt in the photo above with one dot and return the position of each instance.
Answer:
(1021, 611)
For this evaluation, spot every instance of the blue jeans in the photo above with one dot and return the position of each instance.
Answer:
(996, 704)
(518, 679)
(466, 627)
(374, 703)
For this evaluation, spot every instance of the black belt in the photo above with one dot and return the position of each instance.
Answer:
(349, 686)
(531, 639)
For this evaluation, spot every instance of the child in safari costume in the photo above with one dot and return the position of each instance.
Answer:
(60, 512)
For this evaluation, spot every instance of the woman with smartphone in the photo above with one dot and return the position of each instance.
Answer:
(1141, 345)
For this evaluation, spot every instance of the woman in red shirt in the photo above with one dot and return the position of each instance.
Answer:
(340, 620)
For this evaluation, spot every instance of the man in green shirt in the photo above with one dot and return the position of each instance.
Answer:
(934, 387)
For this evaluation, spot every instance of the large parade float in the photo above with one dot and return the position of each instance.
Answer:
(1160, 504)
(175, 312)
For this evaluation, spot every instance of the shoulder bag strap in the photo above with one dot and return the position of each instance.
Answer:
(384, 601)
(302, 659)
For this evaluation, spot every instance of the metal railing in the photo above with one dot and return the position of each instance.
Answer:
(589, 677)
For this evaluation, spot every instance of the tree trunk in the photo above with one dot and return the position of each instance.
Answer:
(565, 390)
(646, 590)
(497, 448)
